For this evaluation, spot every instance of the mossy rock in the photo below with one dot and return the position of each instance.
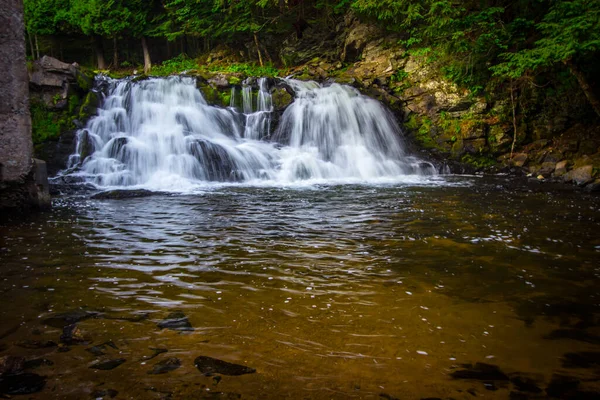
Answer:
(281, 98)
(89, 106)
(139, 78)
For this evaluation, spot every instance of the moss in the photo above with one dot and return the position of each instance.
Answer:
(48, 124)
(478, 161)
(421, 128)
(234, 80)
(89, 106)
(73, 104)
(85, 80)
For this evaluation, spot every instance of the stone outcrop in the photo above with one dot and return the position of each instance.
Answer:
(15, 124)
(23, 182)
(52, 81)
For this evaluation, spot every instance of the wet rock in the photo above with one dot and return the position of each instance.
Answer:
(156, 351)
(580, 176)
(36, 344)
(561, 168)
(63, 348)
(561, 386)
(104, 394)
(69, 318)
(176, 321)
(524, 384)
(100, 349)
(593, 187)
(583, 359)
(37, 362)
(72, 335)
(11, 365)
(125, 194)
(519, 159)
(164, 366)
(573, 334)
(135, 318)
(387, 396)
(480, 372)
(209, 366)
(108, 365)
(22, 384)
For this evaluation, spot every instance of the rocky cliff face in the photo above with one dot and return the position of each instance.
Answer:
(451, 122)
(23, 182)
(15, 125)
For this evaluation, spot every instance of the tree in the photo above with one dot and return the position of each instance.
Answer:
(570, 32)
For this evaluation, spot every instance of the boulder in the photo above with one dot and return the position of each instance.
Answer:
(580, 176)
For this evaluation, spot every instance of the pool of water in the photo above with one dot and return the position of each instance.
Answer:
(458, 288)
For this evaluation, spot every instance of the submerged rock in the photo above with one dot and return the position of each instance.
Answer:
(72, 335)
(63, 319)
(125, 194)
(583, 359)
(176, 321)
(209, 366)
(36, 344)
(480, 372)
(100, 350)
(22, 384)
(157, 351)
(104, 393)
(108, 365)
(11, 365)
(37, 362)
(164, 366)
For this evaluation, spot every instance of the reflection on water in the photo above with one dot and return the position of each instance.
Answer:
(327, 291)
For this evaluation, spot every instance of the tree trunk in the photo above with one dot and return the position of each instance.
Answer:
(169, 51)
(37, 47)
(585, 85)
(115, 53)
(260, 60)
(31, 46)
(147, 61)
(99, 52)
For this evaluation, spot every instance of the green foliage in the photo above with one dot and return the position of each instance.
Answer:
(248, 69)
(175, 65)
(569, 29)
(478, 161)
(47, 124)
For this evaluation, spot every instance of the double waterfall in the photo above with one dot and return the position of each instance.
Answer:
(161, 133)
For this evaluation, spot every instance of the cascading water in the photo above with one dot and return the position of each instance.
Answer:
(161, 134)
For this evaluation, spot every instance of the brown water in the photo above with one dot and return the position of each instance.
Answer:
(370, 292)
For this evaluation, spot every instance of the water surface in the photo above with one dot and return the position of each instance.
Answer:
(328, 291)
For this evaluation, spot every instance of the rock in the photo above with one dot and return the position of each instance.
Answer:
(156, 351)
(480, 372)
(11, 365)
(519, 159)
(104, 393)
(209, 366)
(580, 176)
(583, 359)
(100, 349)
(63, 319)
(37, 362)
(547, 168)
(176, 321)
(124, 194)
(524, 384)
(108, 365)
(22, 384)
(164, 366)
(72, 335)
(540, 177)
(573, 334)
(560, 168)
(36, 344)
(593, 187)
(475, 146)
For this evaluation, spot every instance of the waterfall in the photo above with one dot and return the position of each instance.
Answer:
(160, 133)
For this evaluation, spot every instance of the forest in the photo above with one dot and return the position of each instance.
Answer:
(478, 40)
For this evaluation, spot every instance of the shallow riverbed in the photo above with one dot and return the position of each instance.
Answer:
(348, 291)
